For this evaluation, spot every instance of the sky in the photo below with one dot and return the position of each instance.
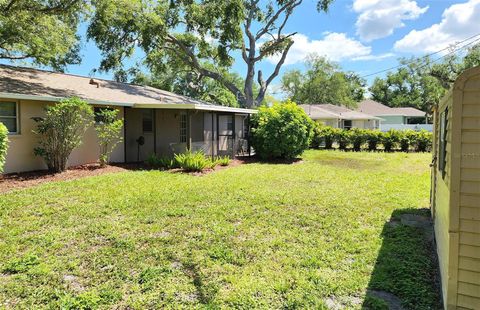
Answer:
(364, 36)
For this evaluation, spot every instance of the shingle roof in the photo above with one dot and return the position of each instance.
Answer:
(330, 111)
(46, 84)
(375, 108)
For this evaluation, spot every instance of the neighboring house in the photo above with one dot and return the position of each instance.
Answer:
(396, 118)
(168, 122)
(340, 117)
(455, 196)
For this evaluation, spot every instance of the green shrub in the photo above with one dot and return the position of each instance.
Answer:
(406, 139)
(390, 140)
(61, 131)
(373, 138)
(423, 141)
(3, 145)
(343, 138)
(357, 138)
(222, 161)
(193, 161)
(109, 133)
(281, 131)
(161, 162)
(324, 135)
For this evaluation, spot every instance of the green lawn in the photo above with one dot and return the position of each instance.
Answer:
(304, 235)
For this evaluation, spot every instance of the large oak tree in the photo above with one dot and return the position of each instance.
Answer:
(205, 35)
(42, 31)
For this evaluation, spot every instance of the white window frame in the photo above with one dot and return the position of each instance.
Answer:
(183, 127)
(16, 117)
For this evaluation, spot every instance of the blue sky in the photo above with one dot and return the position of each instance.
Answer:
(364, 36)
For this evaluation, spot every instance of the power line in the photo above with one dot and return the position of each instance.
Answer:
(431, 54)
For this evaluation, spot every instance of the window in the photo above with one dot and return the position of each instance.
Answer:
(442, 135)
(98, 117)
(230, 123)
(147, 121)
(9, 116)
(347, 124)
(183, 128)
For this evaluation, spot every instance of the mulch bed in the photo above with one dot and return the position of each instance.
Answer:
(9, 182)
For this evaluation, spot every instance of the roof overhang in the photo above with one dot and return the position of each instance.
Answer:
(201, 107)
(57, 99)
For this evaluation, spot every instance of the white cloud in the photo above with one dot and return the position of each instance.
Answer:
(379, 18)
(334, 46)
(459, 22)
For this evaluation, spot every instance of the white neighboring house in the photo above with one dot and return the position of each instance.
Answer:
(395, 118)
(340, 117)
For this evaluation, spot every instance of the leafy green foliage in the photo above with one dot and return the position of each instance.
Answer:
(324, 135)
(421, 83)
(390, 140)
(222, 161)
(255, 236)
(281, 131)
(161, 162)
(61, 131)
(3, 145)
(357, 137)
(323, 82)
(109, 132)
(22, 264)
(193, 161)
(343, 139)
(200, 36)
(373, 138)
(43, 31)
(423, 141)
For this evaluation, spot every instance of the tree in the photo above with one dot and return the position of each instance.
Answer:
(43, 31)
(183, 81)
(109, 132)
(203, 35)
(323, 82)
(422, 82)
(61, 131)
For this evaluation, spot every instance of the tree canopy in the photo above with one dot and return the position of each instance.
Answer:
(323, 82)
(422, 82)
(43, 31)
(202, 35)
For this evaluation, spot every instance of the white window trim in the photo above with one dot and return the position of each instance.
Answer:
(182, 122)
(17, 117)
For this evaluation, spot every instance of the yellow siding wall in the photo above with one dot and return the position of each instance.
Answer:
(469, 222)
(442, 205)
(20, 155)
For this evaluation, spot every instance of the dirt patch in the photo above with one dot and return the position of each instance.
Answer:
(9, 182)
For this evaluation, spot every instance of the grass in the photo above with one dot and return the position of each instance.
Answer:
(253, 236)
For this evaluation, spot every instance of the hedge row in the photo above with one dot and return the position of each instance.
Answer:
(358, 139)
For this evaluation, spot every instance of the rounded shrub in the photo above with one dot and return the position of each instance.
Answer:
(423, 141)
(373, 138)
(390, 140)
(281, 131)
(3, 145)
(357, 137)
(323, 135)
(343, 138)
(406, 138)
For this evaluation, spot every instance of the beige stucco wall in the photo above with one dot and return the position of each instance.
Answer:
(20, 155)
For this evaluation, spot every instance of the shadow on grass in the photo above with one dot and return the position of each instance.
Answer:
(405, 275)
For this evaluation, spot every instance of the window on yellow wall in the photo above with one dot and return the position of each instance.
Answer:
(9, 115)
(442, 143)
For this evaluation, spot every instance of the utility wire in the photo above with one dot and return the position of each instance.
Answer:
(431, 54)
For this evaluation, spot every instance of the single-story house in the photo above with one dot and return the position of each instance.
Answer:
(169, 123)
(340, 117)
(397, 118)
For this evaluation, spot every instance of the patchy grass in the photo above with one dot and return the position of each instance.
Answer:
(302, 235)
